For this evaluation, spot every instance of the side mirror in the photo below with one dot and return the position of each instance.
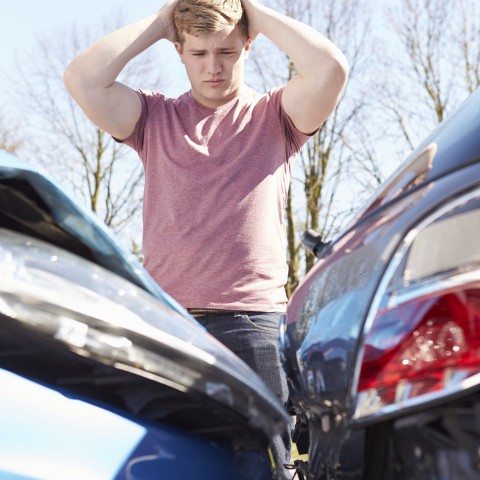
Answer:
(313, 242)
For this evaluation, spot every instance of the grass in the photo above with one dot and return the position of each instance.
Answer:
(296, 455)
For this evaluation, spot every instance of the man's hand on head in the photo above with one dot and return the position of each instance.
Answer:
(251, 8)
(167, 12)
(321, 68)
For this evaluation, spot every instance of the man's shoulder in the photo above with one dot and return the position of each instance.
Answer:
(270, 99)
(250, 94)
(154, 96)
(157, 103)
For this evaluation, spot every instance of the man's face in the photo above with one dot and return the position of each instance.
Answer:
(215, 65)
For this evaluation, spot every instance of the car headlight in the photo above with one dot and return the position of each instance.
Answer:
(94, 312)
(101, 316)
(422, 335)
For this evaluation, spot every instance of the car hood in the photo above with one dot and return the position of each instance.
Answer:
(81, 314)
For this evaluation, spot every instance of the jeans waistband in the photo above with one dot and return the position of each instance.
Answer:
(204, 312)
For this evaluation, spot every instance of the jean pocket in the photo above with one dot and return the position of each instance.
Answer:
(266, 322)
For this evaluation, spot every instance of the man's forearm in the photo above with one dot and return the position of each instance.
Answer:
(306, 47)
(101, 64)
(321, 68)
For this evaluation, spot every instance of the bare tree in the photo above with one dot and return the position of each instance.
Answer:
(434, 63)
(106, 175)
(314, 197)
(11, 139)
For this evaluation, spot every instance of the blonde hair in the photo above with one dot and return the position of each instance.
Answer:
(204, 17)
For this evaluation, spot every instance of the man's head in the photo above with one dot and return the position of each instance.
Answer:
(213, 45)
(206, 17)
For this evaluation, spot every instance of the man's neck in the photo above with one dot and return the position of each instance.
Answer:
(217, 103)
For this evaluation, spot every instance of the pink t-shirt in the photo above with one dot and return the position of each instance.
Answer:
(216, 184)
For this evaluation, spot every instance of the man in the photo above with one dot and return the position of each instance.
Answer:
(217, 161)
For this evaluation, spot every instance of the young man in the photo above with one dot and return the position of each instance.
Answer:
(217, 161)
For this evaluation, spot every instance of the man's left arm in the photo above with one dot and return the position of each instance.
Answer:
(321, 68)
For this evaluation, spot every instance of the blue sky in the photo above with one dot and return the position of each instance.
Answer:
(23, 21)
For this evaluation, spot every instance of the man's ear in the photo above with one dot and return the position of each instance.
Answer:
(179, 49)
(248, 46)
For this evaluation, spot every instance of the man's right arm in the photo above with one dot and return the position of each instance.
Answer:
(91, 77)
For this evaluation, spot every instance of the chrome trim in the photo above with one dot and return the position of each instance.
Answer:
(444, 284)
(412, 403)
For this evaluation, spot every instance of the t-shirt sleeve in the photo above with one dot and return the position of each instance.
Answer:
(148, 100)
(295, 138)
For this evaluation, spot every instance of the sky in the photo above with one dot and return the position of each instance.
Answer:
(22, 22)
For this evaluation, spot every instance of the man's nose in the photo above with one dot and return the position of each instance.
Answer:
(214, 65)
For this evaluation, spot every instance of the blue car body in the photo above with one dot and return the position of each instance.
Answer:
(381, 341)
(47, 434)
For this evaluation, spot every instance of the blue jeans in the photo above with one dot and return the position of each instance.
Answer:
(253, 336)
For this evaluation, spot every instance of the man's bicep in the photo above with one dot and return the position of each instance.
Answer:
(308, 102)
(115, 109)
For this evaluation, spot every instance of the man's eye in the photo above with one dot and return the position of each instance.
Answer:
(199, 54)
(227, 53)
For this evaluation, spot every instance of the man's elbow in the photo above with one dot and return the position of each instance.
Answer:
(74, 79)
(339, 69)
(70, 78)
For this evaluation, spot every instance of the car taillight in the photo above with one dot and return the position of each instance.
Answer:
(422, 337)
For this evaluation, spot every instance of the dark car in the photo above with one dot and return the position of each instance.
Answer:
(382, 338)
(102, 375)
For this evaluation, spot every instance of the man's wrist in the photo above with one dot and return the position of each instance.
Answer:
(164, 25)
(256, 14)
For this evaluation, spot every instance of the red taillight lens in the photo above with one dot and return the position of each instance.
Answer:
(423, 331)
(423, 345)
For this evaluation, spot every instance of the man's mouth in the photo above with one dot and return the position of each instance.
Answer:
(214, 82)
